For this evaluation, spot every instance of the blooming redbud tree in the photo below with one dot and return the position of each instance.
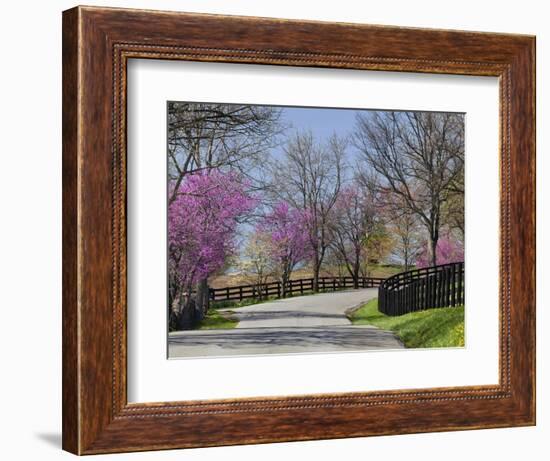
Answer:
(288, 238)
(202, 227)
(448, 250)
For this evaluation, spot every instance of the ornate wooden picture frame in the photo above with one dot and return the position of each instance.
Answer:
(97, 44)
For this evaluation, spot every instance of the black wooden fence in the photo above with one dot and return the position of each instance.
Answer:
(419, 289)
(293, 287)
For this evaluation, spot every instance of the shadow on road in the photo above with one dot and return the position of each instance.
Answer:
(343, 337)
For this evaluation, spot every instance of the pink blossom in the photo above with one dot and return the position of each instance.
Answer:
(448, 250)
(202, 223)
(288, 234)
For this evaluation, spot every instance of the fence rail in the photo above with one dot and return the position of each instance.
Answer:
(419, 289)
(292, 287)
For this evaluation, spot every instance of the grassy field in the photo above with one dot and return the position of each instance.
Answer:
(431, 328)
(231, 280)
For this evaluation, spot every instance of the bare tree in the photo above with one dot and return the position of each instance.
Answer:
(404, 228)
(309, 177)
(355, 220)
(418, 157)
(402, 224)
(454, 208)
(206, 135)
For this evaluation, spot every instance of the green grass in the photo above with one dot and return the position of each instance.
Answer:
(443, 327)
(217, 320)
(384, 270)
(237, 304)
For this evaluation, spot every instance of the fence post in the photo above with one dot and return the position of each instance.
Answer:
(453, 283)
(460, 275)
(439, 287)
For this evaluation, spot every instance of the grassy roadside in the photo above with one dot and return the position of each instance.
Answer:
(252, 301)
(237, 304)
(217, 320)
(431, 328)
(224, 320)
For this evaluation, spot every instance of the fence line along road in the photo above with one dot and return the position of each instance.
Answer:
(292, 287)
(419, 289)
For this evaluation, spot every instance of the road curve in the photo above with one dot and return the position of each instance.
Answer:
(314, 323)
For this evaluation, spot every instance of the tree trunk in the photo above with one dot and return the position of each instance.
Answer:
(356, 269)
(284, 282)
(433, 249)
(202, 299)
(187, 317)
(259, 288)
(316, 270)
(174, 309)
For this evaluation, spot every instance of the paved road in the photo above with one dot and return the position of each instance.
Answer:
(301, 324)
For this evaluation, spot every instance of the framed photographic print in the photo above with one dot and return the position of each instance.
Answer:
(285, 230)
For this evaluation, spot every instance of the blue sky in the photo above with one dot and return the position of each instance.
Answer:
(322, 122)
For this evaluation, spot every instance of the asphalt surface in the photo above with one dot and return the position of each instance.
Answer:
(315, 323)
